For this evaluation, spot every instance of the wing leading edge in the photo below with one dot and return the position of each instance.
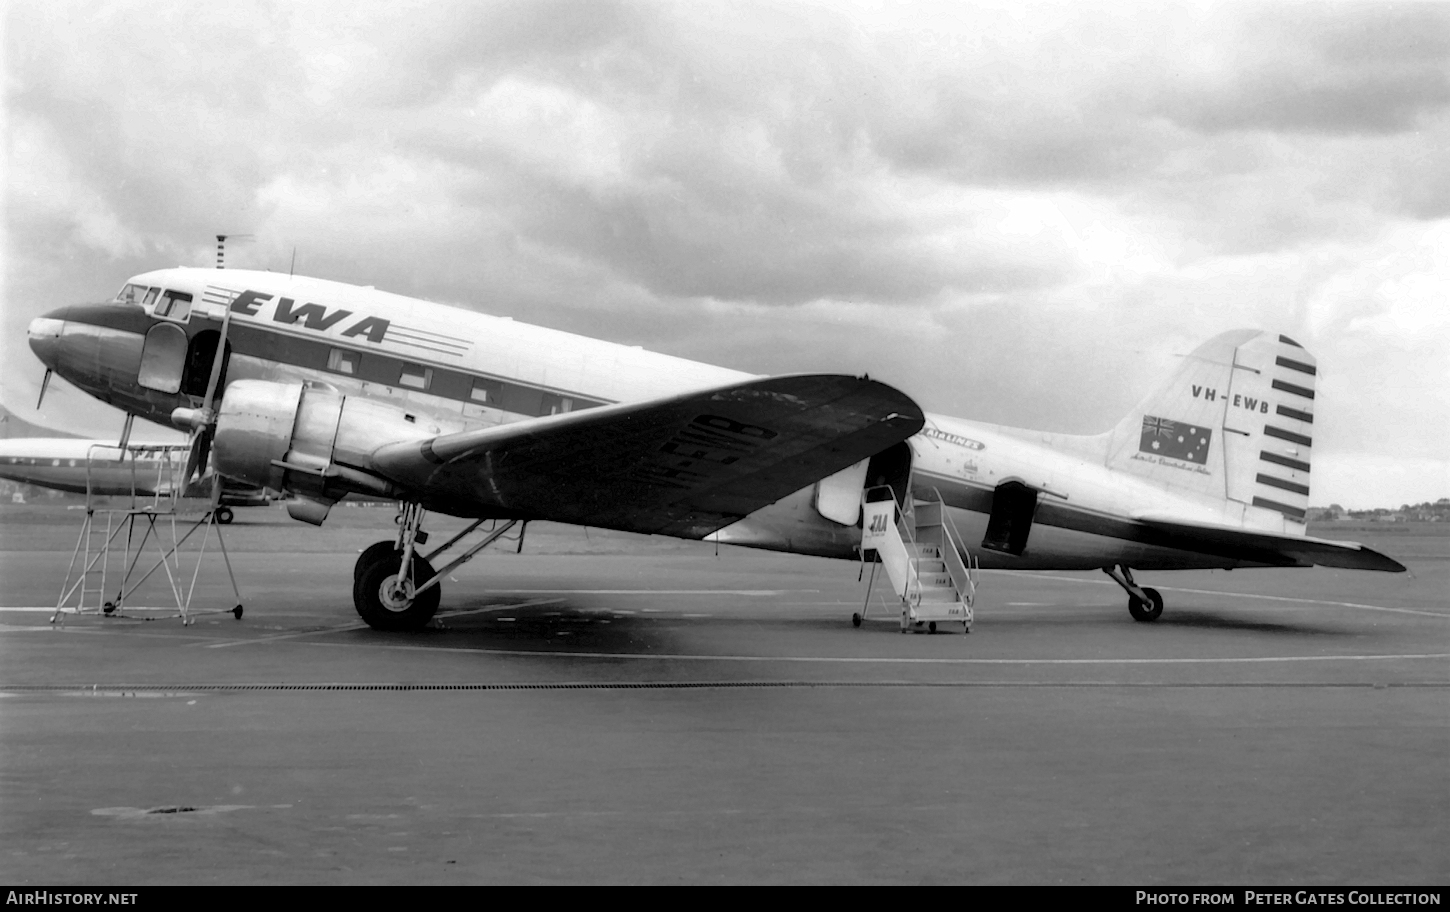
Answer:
(1269, 548)
(684, 465)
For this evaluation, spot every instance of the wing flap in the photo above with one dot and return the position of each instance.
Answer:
(684, 465)
(1268, 547)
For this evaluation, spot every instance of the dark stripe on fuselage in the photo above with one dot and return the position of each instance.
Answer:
(1288, 341)
(1294, 413)
(1299, 366)
(1283, 485)
(1271, 431)
(978, 499)
(1291, 512)
(261, 342)
(1284, 461)
(1283, 387)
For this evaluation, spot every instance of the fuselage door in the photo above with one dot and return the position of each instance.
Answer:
(163, 358)
(1014, 505)
(838, 496)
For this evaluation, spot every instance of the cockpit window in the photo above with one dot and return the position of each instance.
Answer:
(131, 294)
(149, 296)
(174, 304)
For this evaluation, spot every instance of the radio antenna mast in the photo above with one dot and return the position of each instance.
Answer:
(221, 247)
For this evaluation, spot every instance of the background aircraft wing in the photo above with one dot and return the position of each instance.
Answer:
(1268, 547)
(684, 465)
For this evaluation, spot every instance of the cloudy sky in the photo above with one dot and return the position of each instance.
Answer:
(1023, 214)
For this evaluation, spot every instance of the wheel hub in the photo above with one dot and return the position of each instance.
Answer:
(396, 594)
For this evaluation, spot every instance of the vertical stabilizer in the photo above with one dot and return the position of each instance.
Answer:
(1234, 423)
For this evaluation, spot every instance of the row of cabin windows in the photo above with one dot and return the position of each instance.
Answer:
(418, 377)
(174, 305)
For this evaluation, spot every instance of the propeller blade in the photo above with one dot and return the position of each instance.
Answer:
(216, 364)
(198, 454)
(205, 423)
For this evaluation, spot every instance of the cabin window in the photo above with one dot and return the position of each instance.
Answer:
(174, 304)
(486, 391)
(342, 361)
(416, 376)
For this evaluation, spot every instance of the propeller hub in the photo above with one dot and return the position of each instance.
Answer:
(191, 419)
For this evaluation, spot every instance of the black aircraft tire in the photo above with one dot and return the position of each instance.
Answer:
(1149, 611)
(371, 554)
(224, 515)
(368, 599)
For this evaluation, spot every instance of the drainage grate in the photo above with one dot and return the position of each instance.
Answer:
(189, 689)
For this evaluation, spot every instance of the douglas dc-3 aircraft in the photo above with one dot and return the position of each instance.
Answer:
(321, 389)
(103, 467)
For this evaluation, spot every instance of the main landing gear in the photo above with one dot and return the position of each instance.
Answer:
(396, 588)
(1143, 604)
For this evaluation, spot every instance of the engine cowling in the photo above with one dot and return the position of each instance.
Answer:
(310, 439)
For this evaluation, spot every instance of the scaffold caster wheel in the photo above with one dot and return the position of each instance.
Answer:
(856, 619)
(931, 628)
(109, 608)
(237, 612)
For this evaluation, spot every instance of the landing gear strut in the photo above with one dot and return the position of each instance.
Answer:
(390, 581)
(396, 588)
(1143, 604)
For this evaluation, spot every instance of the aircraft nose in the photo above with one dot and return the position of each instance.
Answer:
(45, 333)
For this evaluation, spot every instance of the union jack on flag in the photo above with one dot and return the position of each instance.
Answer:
(1158, 427)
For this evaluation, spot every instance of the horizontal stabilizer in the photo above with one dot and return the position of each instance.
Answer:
(1268, 547)
(684, 465)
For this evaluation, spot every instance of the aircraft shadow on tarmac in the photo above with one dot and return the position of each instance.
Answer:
(549, 626)
(1205, 619)
(560, 624)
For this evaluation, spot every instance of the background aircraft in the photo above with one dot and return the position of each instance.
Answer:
(323, 389)
(102, 468)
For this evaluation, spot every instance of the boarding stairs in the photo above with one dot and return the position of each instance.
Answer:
(921, 552)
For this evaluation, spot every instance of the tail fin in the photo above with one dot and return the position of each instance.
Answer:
(1233, 423)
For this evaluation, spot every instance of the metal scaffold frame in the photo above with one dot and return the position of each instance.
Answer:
(153, 502)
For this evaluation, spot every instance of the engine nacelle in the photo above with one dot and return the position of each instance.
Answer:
(309, 439)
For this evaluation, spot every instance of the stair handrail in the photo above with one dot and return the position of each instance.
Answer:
(961, 572)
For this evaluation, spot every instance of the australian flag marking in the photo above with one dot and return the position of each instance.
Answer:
(1175, 440)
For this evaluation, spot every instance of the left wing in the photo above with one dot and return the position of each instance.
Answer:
(1267, 547)
(684, 465)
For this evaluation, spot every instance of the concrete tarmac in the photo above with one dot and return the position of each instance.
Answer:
(606, 708)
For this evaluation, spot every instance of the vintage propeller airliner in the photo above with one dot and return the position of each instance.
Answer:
(321, 389)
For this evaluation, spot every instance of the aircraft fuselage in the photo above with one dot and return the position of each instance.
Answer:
(1034, 500)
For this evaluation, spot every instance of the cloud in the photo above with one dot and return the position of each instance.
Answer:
(1021, 213)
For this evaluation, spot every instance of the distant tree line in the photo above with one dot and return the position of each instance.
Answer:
(1439, 511)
